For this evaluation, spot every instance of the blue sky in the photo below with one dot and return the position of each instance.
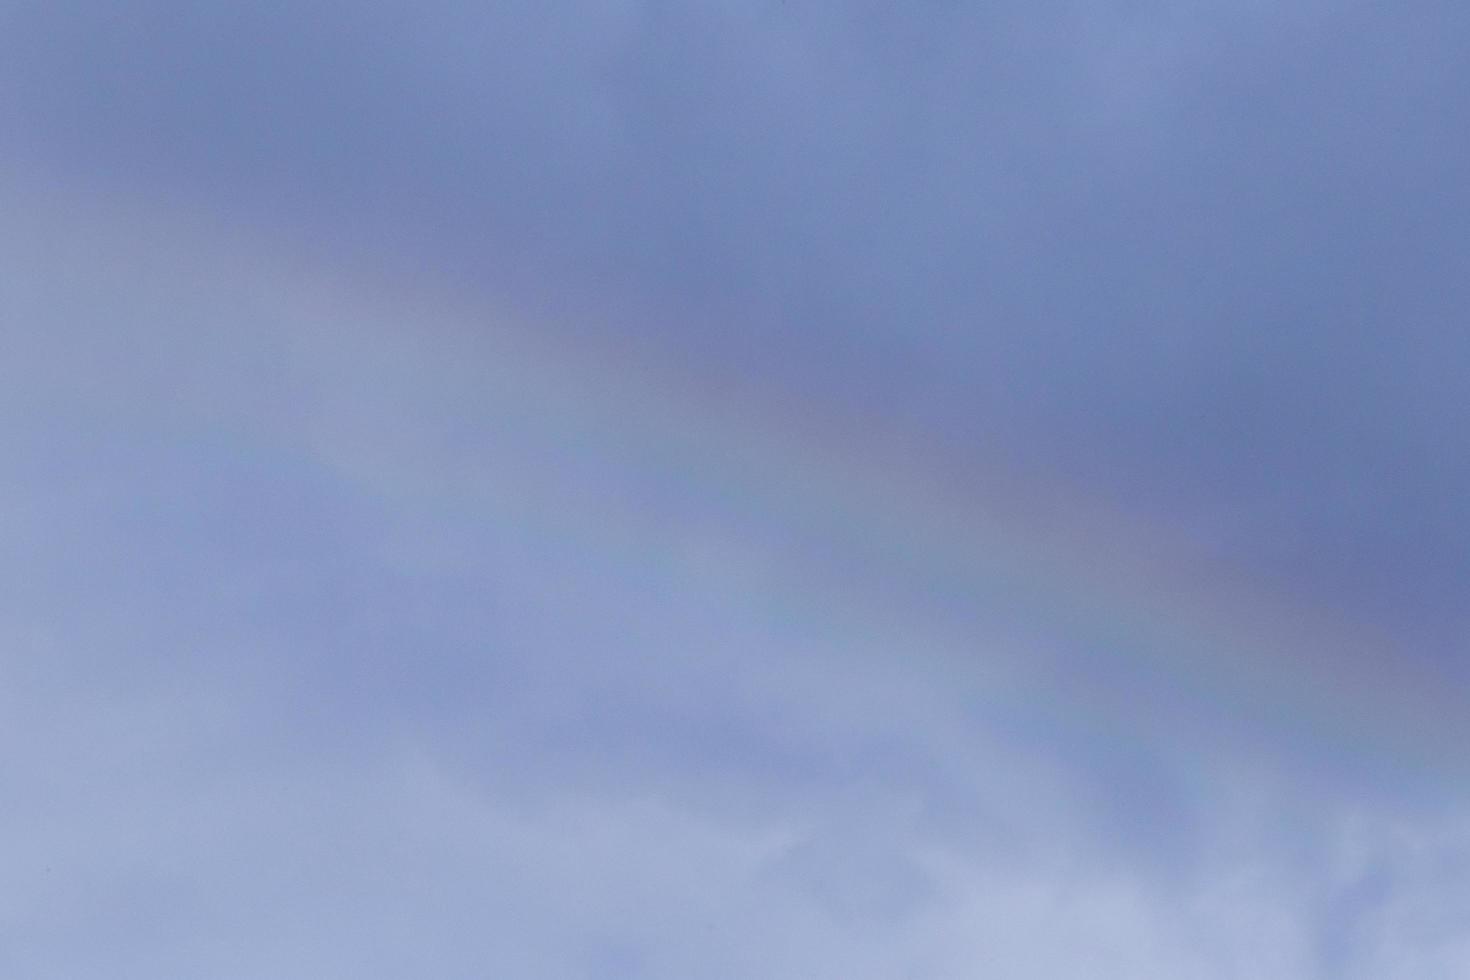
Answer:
(778, 489)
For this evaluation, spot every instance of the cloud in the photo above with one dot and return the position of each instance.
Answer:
(336, 664)
(471, 490)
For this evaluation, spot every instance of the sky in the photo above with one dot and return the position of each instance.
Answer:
(768, 489)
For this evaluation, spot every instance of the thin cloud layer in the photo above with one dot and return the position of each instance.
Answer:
(732, 490)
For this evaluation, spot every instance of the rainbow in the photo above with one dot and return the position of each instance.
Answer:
(1149, 626)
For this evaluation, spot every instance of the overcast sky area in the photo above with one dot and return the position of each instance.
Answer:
(775, 489)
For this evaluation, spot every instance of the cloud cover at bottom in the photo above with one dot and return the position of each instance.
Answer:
(355, 630)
